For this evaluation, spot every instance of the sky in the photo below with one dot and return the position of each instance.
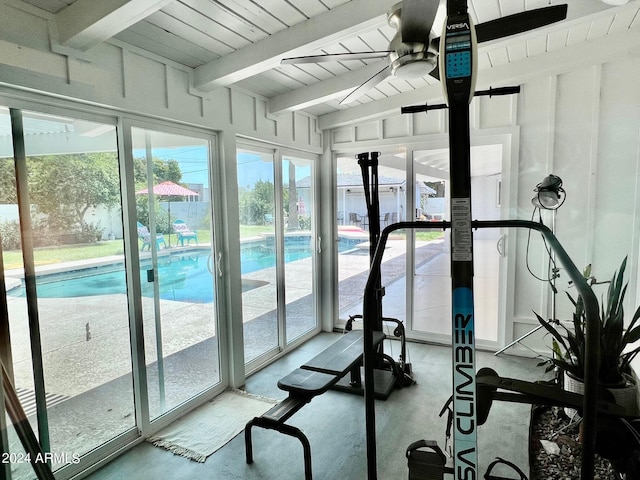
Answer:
(252, 167)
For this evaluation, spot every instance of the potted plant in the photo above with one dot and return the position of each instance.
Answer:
(616, 352)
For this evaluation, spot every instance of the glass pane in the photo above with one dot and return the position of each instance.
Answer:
(176, 266)
(432, 281)
(258, 252)
(353, 235)
(74, 191)
(299, 243)
(353, 238)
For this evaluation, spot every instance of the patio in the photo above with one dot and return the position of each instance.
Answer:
(88, 378)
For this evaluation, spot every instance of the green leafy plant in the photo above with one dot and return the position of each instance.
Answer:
(568, 345)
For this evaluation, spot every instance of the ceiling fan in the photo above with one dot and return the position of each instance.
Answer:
(413, 51)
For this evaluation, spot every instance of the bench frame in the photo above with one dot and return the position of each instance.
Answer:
(303, 384)
(274, 420)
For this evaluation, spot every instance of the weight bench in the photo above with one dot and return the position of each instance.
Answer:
(310, 380)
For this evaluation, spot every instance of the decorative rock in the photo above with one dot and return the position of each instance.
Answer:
(551, 426)
(551, 448)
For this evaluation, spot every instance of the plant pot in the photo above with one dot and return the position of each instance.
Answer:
(575, 385)
(625, 395)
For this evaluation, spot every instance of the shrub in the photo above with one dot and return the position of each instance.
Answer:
(10, 234)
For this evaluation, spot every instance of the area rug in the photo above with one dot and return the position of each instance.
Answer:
(209, 427)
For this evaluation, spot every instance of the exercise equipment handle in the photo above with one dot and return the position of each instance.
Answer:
(589, 419)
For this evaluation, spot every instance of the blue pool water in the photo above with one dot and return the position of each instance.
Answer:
(182, 276)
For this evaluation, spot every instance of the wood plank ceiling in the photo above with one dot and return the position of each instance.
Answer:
(241, 42)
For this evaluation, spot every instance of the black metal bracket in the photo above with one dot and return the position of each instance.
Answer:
(481, 93)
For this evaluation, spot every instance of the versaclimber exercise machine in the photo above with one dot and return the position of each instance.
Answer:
(457, 71)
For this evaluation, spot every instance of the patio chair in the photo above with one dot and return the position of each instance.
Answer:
(355, 219)
(145, 236)
(184, 233)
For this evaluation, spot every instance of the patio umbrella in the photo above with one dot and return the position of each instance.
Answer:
(169, 189)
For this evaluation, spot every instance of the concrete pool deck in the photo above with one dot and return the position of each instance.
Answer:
(90, 376)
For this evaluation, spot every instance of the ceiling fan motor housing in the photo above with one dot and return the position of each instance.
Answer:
(409, 59)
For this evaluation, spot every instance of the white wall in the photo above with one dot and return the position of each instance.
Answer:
(124, 78)
(583, 126)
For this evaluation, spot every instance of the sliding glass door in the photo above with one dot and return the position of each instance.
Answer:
(177, 272)
(278, 247)
(64, 271)
(105, 339)
(432, 269)
(299, 246)
(413, 185)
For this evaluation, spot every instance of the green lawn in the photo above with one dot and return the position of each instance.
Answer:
(45, 256)
(435, 235)
(247, 231)
(70, 253)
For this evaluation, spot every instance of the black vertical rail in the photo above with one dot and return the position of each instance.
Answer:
(26, 232)
(462, 315)
(369, 167)
(372, 308)
(457, 56)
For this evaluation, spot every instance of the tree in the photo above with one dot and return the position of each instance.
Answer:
(65, 187)
(163, 170)
(293, 224)
(7, 182)
(257, 203)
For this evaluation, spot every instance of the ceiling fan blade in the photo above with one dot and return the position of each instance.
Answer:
(368, 85)
(520, 22)
(435, 73)
(417, 19)
(336, 57)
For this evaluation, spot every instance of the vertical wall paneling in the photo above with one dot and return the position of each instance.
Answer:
(474, 113)
(117, 75)
(167, 85)
(342, 135)
(243, 108)
(495, 111)
(536, 116)
(263, 122)
(572, 151)
(146, 82)
(428, 123)
(301, 128)
(615, 208)
(593, 164)
(368, 131)
(397, 126)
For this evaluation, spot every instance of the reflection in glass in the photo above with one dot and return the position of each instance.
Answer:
(258, 248)
(176, 266)
(75, 205)
(299, 242)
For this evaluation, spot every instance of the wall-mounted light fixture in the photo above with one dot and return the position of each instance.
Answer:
(550, 194)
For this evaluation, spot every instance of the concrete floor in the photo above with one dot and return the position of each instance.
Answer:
(334, 424)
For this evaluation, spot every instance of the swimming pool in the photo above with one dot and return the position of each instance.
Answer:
(182, 275)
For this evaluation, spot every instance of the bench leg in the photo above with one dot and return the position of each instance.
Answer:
(282, 428)
(306, 447)
(248, 445)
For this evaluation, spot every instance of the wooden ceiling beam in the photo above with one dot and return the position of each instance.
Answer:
(86, 23)
(328, 28)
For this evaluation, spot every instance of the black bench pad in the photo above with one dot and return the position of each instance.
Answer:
(344, 354)
(307, 383)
